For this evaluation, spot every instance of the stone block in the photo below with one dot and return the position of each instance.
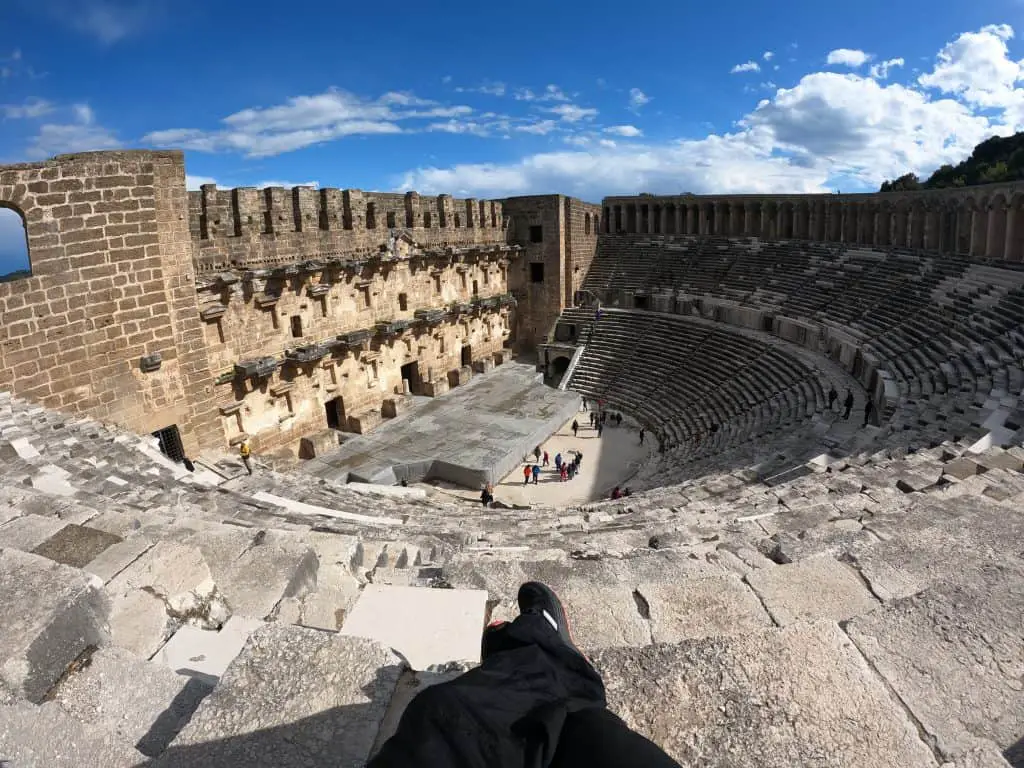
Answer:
(702, 607)
(953, 653)
(293, 697)
(801, 696)
(436, 388)
(364, 422)
(22, 448)
(961, 469)
(394, 406)
(119, 556)
(53, 480)
(76, 545)
(484, 365)
(318, 444)
(28, 531)
(425, 626)
(49, 615)
(144, 703)
(816, 588)
(48, 737)
(205, 654)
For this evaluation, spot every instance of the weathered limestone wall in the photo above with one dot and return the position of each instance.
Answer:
(985, 222)
(249, 227)
(582, 224)
(111, 283)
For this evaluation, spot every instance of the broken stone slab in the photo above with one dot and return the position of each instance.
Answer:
(205, 654)
(254, 570)
(961, 468)
(302, 508)
(701, 607)
(47, 737)
(954, 654)
(818, 587)
(293, 697)
(53, 480)
(49, 615)
(425, 626)
(115, 558)
(23, 448)
(144, 703)
(800, 696)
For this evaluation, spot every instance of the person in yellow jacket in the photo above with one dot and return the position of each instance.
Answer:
(245, 452)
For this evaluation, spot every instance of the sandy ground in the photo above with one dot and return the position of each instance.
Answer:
(607, 462)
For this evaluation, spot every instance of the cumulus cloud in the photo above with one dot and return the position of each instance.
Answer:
(637, 99)
(880, 71)
(629, 131)
(550, 93)
(489, 89)
(31, 109)
(82, 134)
(830, 129)
(748, 66)
(848, 57)
(303, 121)
(768, 55)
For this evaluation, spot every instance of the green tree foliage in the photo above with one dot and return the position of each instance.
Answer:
(1000, 158)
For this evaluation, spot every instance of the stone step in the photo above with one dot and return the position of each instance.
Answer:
(144, 703)
(50, 614)
(294, 696)
(757, 699)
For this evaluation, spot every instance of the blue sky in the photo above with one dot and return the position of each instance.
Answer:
(515, 98)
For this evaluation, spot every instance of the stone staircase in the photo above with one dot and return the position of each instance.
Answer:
(863, 611)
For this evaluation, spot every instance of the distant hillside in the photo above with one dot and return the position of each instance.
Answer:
(995, 159)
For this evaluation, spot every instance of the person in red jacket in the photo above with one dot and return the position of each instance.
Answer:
(535, 701)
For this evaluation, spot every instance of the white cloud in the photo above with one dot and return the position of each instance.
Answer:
(748, 66)
(829, 130)
(82, 135)
(637, 99)
(27, 111)
(106, 21)
(287, 184)
(977, 68)
(490, 89)
(303, 121)
(550, 93)
(459, 126)
(768, 55)
(880, 71)
(629, 131)
(571, 113)
(541, 128)
(848, 57)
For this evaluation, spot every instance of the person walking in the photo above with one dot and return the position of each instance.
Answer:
(579, 458)
(545, 461)
(527, 471)
(572, 471)
(245, 452)
(848, 404)
(593, 416)
(832, 396)
(563, 473)
(575, 427)
(486, 497)
(558, 462)
(536, 453)
(584, 403)
(534, 700)
(536, 473)
(641, 435)
(869, 408)
(600, 428)
(616, 493)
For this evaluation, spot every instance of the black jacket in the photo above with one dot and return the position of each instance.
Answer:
(538, 704)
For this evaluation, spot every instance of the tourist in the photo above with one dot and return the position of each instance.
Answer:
(600, 428)
(536, 453)
(832, 396)
(579, 458)
(563, 473)
(486, 497)
(572, 471)
(536, 473)
(575, 427)
(616, 493)
(531, 674)
(246, 452)
(626, 492)
(545, 462)
(584, 403)
(641, 435)
(593, 417)
(618, 419)
(848, 404)
(558, 462)
(527, 471)
(869, 408)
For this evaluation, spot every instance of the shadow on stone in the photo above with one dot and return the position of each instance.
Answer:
(174, 718)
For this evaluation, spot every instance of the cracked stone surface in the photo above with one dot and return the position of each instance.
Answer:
(816, 588)
(756, 699)
(702, 607)
(955, 655)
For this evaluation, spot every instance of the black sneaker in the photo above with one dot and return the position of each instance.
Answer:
(539, 599)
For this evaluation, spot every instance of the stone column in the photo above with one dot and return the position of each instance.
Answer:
(650, 218)
(748, 219)
(664, 219)
(680, 227)
(691, 219)
(979, 231)
(995, 236)
(1010, 249)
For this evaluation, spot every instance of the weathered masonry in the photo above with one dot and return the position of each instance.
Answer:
(217, 315)
(985, 222)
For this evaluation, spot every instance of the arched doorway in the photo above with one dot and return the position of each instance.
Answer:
(14, 258)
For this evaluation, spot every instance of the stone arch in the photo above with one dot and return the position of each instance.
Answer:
(900, 225)
(834, 212)
(916, 222)
(996, 234)
(785, 220)
(15, 253)
(1015, 229)
(586, 223)
(708, 219)
(979, 226)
